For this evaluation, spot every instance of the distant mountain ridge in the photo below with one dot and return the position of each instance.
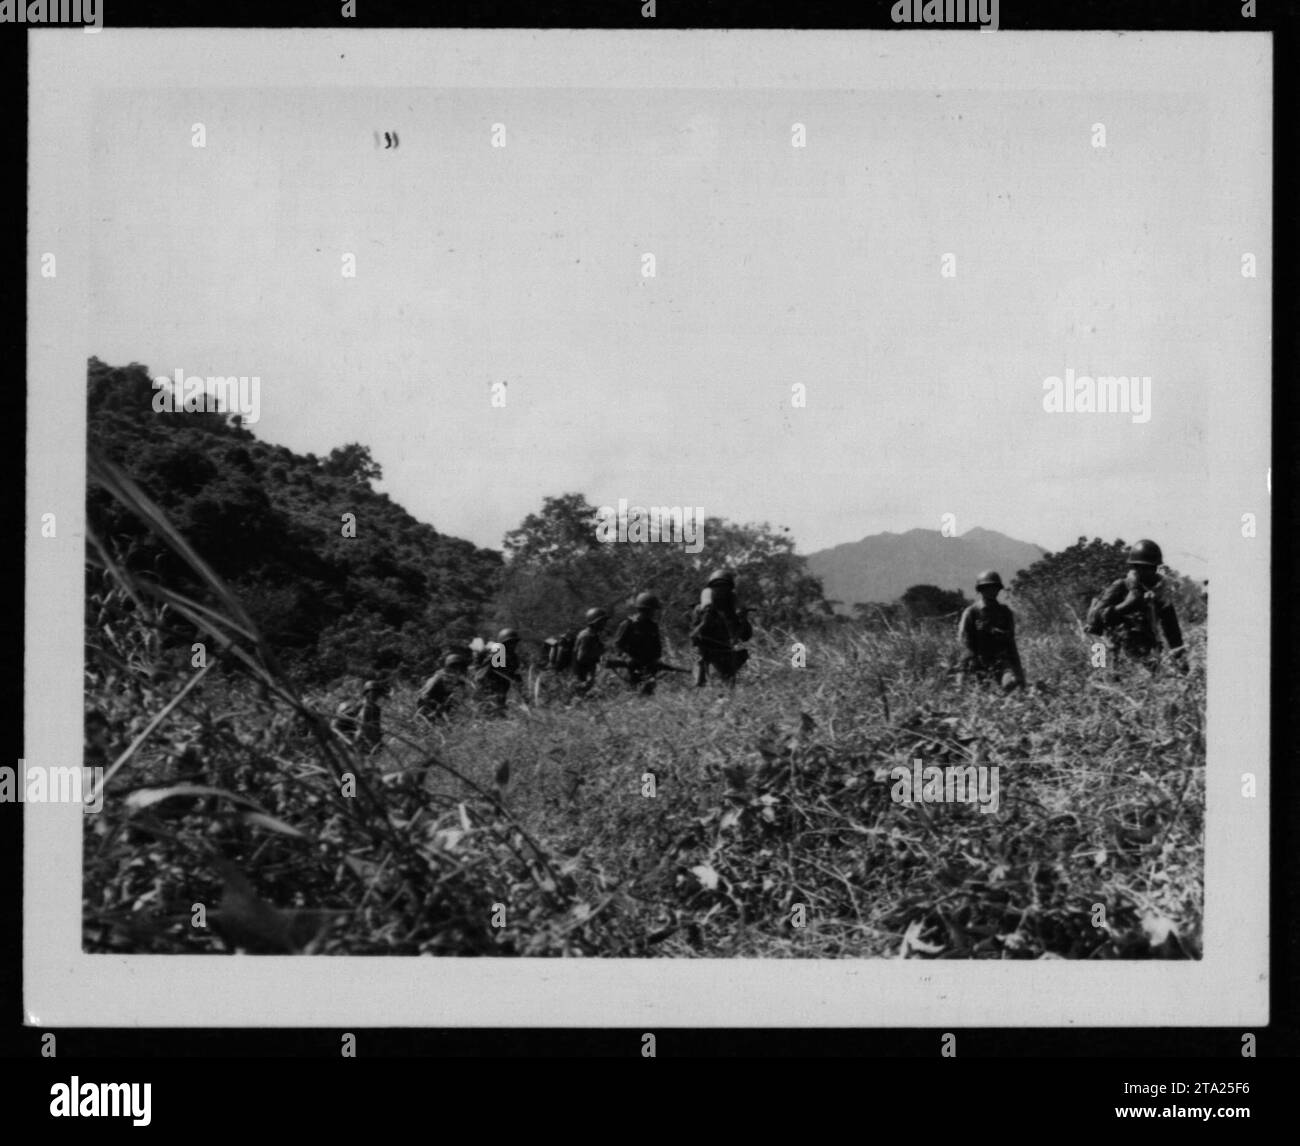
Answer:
(883, 566)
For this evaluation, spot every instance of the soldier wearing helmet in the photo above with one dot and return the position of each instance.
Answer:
(639, 642)
(718, 625)
(499, 669)
(443, 691)
(1135, 611)
(987, 631)
(588, 649)
(359, 722)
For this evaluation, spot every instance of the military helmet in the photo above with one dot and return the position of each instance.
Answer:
(722, 575)
(375, 686)
(451, 660)
(989, 577)
(647, 601)
(1145, 552)
(594, 615)
(507, 635)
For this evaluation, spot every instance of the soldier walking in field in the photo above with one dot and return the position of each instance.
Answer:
(639, 643)
(588, 648)
(499, 669)
(718, 625)
(1134, 612)
(358, 722)
(987, 631)
(443, 692)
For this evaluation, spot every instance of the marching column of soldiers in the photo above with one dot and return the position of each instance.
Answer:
(1131, 615)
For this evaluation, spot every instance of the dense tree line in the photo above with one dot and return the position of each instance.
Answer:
(398, 594)
(557, 567)
(270, 522)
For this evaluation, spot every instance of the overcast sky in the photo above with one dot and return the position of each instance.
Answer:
(775, 265)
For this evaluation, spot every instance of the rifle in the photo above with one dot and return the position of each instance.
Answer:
(658, 666)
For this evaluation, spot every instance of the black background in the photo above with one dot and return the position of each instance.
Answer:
(1066, 1080)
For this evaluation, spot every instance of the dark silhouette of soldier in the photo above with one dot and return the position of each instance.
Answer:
(1135, 611)
(358, 722)
(446, 689)
(718, 626)
(639, 642)
(500, 669)
(588, 649)
(987, 630)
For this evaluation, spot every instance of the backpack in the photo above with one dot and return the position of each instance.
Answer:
(1093, 624)
(710, 625)
(710, 628)
(560, 654)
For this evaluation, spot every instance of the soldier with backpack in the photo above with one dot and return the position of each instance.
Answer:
(358, 722)
(987, 630)
(640, 644)
(1133, 613)
(446, 689)
(498, 668)
(559, 651)
(718, 625)
(588, 648)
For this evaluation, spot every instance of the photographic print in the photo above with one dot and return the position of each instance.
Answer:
(679, 515)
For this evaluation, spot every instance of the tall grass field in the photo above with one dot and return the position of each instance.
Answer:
(760, 821)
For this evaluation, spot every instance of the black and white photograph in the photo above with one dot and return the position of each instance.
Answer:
(560, 527)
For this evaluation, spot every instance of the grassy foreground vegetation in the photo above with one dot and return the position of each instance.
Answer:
(531, 835)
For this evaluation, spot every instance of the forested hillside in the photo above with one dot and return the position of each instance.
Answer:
(271, 523)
